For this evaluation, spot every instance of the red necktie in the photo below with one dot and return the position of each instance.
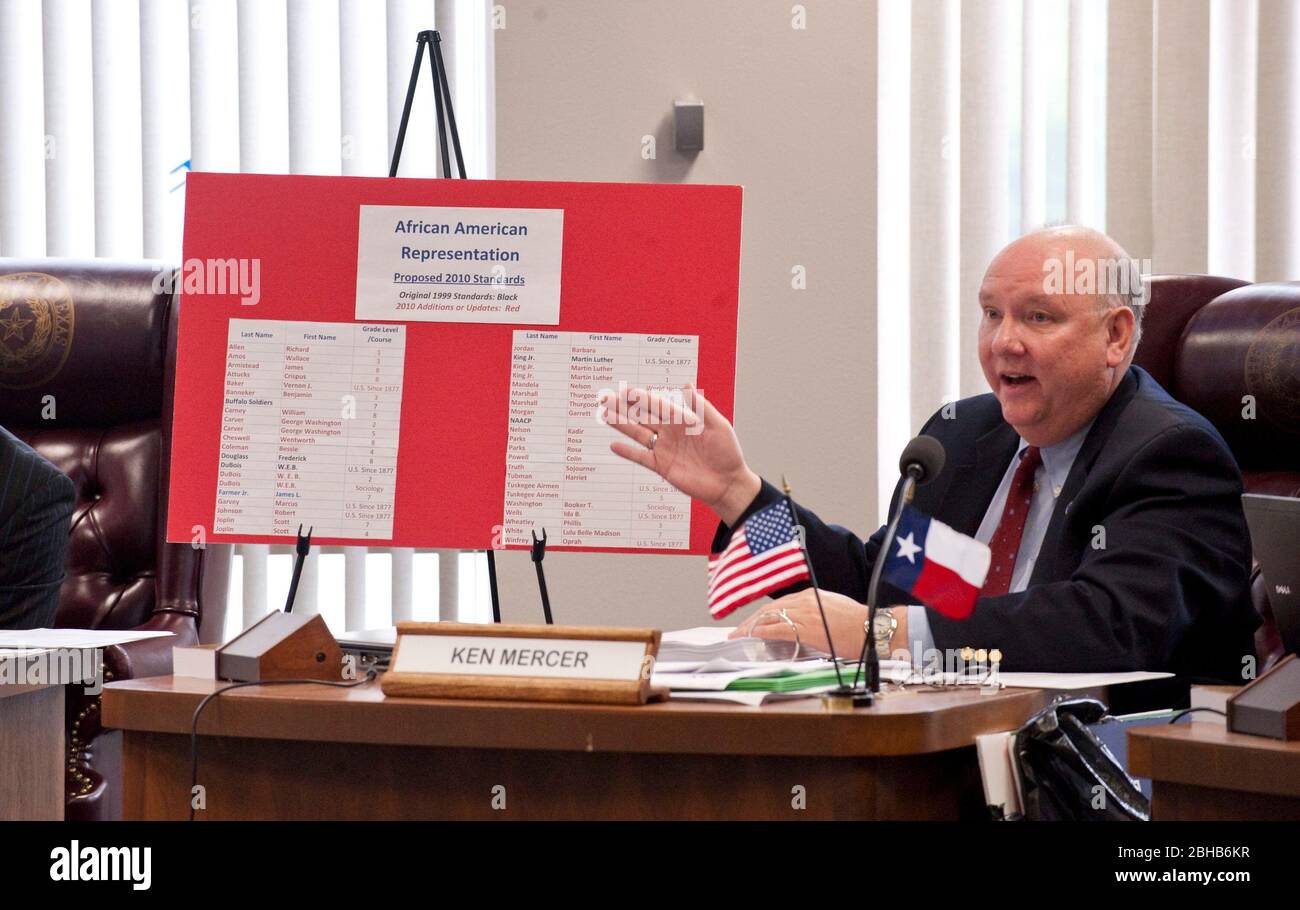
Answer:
(1006, 539)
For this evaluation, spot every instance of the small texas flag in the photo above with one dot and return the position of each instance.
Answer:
(937, 565)
(762, 556)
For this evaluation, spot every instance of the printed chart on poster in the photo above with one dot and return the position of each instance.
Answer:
(291, 453)
(560, 473)
(418, 363)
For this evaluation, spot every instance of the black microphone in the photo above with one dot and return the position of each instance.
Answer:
(922, 459)
(921, 462)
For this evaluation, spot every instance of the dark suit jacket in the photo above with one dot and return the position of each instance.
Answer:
(36, 503)
(1169, 590)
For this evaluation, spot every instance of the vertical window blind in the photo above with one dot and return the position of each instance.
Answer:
(1174, 125)
(106, 105)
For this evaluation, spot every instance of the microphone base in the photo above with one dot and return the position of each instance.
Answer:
(843, 698)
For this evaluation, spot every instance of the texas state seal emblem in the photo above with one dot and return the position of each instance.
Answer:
(1271, 369)
(36, 322)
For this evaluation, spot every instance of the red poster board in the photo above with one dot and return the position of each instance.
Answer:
(636, 259)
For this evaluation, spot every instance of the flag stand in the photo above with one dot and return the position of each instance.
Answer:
(872, 659)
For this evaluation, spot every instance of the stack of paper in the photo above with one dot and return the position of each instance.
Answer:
(704, 664)
(704, 643)
(1000, 773)
(72, 638)
(719, 674)
(753, 683)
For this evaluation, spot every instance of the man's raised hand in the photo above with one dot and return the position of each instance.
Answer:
(689, 444)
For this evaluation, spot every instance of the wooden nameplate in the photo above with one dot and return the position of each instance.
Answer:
(592, 664)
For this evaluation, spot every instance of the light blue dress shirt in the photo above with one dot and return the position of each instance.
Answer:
(1049, 480)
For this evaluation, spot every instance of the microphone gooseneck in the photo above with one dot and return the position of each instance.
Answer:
(921, 462)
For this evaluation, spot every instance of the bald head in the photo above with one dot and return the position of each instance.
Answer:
(1059, 325)
(1083, 240)
(1083, 261)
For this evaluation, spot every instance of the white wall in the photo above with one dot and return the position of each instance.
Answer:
(790, 115)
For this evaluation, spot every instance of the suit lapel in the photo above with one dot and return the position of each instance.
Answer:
(1092, 448)
(973, 483)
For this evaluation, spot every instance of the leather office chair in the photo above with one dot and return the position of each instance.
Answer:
(90, 389)
(1231, 350)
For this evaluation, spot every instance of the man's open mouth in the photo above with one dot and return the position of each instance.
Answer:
(1016, 378)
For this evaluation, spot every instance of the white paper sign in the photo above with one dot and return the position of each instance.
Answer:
(556, 658)
(438, 264)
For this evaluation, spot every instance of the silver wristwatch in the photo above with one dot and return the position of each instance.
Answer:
(883, 633)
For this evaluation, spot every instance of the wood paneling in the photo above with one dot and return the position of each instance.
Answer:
(1202, 771)
(901, 723)
(31, 753)
(313, 752)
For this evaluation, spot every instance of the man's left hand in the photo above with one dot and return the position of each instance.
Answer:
(844, 615)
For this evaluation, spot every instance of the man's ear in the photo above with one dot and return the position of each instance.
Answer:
(1120, 327)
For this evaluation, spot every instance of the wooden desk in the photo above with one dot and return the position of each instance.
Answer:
(1200, 771)
(313, 752)
(31, 753)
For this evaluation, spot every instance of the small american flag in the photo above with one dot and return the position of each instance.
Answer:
(762, 556)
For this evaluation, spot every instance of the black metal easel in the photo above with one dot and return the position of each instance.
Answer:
(538, 554)
(442, 99)
(446, 117)
(301, 549)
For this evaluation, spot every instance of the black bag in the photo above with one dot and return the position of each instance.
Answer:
(1068, 774)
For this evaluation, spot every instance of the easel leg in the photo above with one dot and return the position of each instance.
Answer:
(435, 69)
(406, 108)
(445, 88)
(492, 586)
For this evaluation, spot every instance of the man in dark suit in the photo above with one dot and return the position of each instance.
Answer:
(1112, 511)
(36, 503)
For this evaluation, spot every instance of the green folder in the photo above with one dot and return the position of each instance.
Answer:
(793, 682)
